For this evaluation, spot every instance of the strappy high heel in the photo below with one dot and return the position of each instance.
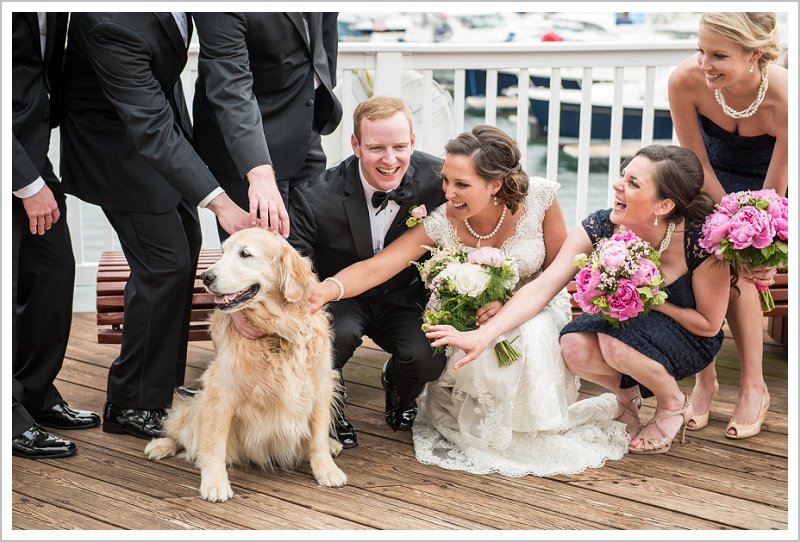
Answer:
(701, 420)
(634, 427)
(685, 413)
(750, 430)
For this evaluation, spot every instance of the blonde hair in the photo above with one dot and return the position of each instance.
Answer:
(752, 30)
(379, 107)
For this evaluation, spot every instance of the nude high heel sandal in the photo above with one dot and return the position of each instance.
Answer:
(633, 428)
(750, 430)
(701, 420)
(685, 413)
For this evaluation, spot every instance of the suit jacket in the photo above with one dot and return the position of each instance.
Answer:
(126, 132)
(331, 226)
(255, 101)
(36, 84)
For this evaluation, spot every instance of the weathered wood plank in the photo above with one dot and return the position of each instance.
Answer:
(33, 514)
(710, 483)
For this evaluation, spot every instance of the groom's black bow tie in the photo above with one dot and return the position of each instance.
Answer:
(401, 194)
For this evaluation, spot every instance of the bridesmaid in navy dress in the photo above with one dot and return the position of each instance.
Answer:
(729, 105)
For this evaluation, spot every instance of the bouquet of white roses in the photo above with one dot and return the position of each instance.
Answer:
(461, 280)
(620, 279)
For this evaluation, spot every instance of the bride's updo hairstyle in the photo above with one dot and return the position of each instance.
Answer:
(495, 156)
(679, 177)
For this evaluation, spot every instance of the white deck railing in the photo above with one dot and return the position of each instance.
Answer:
(386, 66)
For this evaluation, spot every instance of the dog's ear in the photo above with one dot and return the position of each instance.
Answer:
(296, 275)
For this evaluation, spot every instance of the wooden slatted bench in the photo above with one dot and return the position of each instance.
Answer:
(778, 323)
(112, 275)
(778, 318)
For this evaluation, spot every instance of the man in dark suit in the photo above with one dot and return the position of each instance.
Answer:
(43, 266)
(350, 213)
(126, 146)
(263, 97)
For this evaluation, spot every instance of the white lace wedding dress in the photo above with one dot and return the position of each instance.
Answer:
(522, 418)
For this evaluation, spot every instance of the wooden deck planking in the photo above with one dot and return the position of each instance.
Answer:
(709, 483)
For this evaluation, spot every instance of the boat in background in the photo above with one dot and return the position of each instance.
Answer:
(602, 100)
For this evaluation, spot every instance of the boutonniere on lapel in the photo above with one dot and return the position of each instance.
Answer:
(416, 214)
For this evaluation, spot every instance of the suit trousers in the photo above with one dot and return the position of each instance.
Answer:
(43, 280)
(237, 189)
(397, 330)
(162, 252)
(21, 419)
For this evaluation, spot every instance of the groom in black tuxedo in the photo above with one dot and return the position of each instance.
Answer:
(126, 146)
(348, 214)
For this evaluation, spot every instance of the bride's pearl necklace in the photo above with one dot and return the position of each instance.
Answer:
(494, 231)
(750, 111)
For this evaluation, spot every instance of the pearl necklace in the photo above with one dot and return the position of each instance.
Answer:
(494, 231)
(750, 111)
(665, 241)
(667, 238)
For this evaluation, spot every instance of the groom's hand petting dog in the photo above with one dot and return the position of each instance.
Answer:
(267, 401)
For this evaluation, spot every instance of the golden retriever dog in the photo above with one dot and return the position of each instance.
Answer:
(267, 401)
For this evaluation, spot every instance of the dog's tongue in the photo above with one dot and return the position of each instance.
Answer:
(219, 299)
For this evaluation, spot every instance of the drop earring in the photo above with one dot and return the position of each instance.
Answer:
(655, 222)
(494, 198)
(751, 68)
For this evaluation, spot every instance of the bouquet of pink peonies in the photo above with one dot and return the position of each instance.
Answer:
(750, 229)
(620, 278)
(461, 280)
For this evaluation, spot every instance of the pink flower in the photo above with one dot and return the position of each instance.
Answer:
(779, 211)
(730, 202)
(625, 303)
(612, 254)
(415, 215)
(586, 283)
(419, 211)
(648, 271)
(626, 236)
(715, 229)
(487, 256)
(751, 227)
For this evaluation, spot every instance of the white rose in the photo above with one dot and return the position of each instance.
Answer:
(471, 280)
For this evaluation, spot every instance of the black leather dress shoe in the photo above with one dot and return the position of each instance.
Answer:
(345, 432)
(36, 443)
(399, 416)
(138, 422)
(61, 416)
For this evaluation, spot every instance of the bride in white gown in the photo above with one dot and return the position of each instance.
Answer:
(523, 418)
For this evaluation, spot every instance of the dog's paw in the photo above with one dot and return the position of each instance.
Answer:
(216, 491)
(334, 446)
(331, 477)
(160, 448)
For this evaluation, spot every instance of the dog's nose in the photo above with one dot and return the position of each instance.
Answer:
(208, 278)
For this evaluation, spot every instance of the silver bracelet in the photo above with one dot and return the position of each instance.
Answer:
(339, 284)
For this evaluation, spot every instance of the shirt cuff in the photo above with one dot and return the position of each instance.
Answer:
(30, 190)
(206, 200)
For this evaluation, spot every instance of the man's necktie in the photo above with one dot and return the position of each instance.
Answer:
(401, 194)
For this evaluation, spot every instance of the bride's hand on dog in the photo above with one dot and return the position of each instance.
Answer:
(245, 329)
(321, 293)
